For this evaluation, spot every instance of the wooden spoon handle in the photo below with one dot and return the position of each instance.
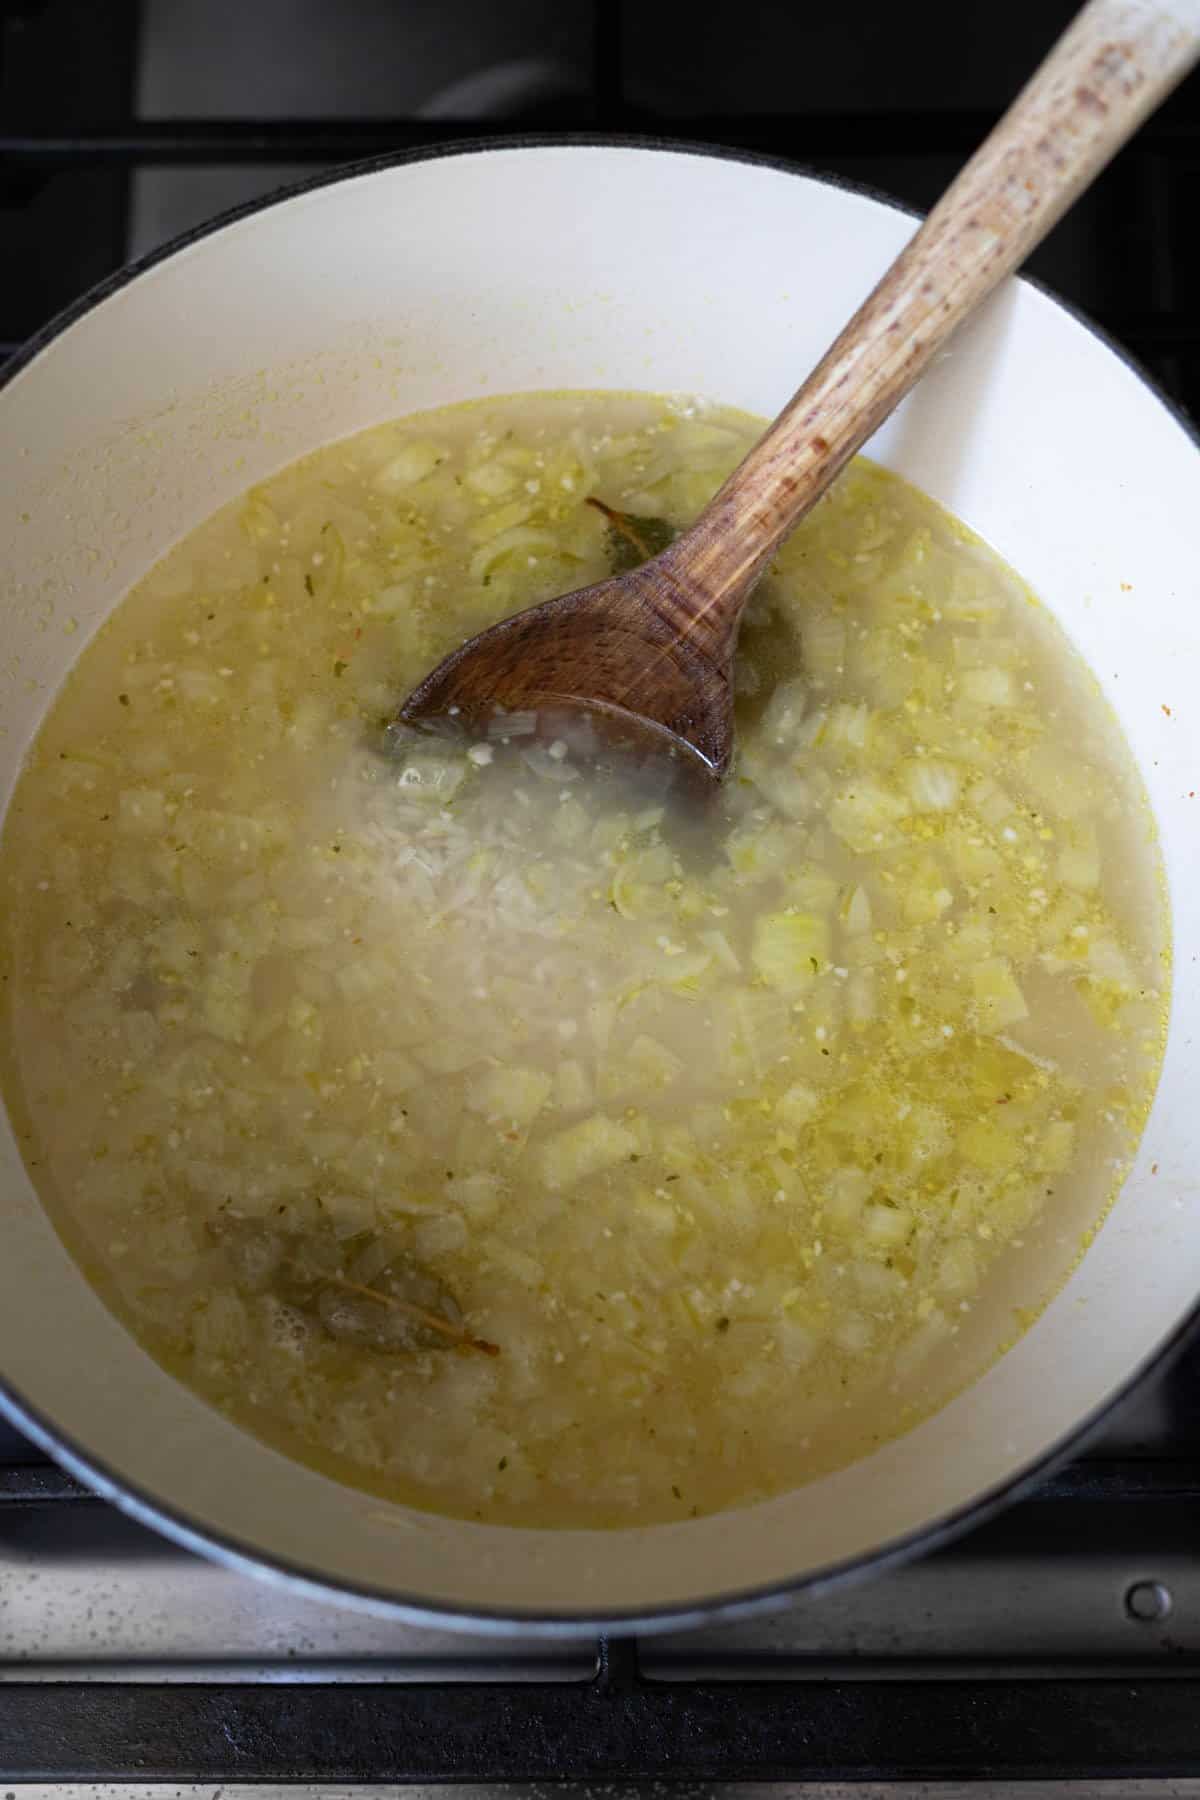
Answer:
(1113, 65)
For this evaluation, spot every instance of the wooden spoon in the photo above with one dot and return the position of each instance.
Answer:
(651, 651)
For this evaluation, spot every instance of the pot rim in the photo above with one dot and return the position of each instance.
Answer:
(231, 1552)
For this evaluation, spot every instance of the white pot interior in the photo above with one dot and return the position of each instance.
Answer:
(575, 266)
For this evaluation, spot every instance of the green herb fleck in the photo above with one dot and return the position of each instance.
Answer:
(632, 541)
(340, 667)
(308, 585)
(722, 1323)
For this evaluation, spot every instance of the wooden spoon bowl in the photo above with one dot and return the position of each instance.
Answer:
(637, 654)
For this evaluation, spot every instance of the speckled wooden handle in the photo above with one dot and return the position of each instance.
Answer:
(1111, 68)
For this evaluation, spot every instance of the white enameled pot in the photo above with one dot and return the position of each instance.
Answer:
(522, 265)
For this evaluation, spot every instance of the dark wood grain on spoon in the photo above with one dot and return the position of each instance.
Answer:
(650, 652)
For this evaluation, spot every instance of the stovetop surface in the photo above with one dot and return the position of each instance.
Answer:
(1057, 1643)
(1054, 1650)
(1100, 1568)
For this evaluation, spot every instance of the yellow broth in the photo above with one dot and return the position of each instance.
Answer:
(520, 1142)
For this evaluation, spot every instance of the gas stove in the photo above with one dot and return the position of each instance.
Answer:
(1060, 1642)
(1053, 1650)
